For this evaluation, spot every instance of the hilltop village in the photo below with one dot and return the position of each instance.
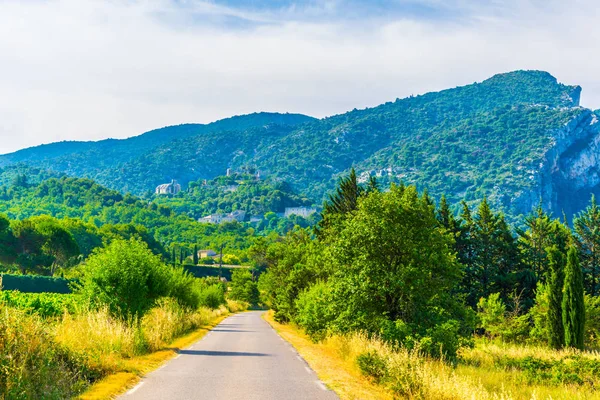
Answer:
(251, 198)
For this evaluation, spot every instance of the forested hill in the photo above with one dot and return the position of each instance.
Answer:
(104, 158)
(516, 138)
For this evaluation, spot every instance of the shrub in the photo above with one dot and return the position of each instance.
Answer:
(592, 323)
(243, 287)
(313, 310)
(231, 259)
(371, 364)
(126, 277)
(491, 312)
(212, 296)
(442, 340)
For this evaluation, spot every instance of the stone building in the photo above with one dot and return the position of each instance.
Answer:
(169, 188)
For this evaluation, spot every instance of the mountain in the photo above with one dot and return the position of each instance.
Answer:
(517, 138)
(104, 160)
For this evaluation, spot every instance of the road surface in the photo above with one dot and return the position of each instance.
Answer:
(241, 358)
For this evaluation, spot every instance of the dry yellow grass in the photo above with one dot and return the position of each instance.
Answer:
(339, 373)
(412, 376)
(161, 327)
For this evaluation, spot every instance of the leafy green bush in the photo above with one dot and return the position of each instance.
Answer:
(243, 287)
(491, 312)
(571, 369)
(212, 296)
(371, 364)
(314, 311)
(126, 277)
(231, 259)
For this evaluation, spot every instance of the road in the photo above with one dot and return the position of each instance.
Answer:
(241, 358)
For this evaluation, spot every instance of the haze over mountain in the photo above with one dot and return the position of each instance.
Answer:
(518, 138)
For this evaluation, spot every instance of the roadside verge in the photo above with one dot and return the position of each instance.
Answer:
(340, 375)
(135, 368)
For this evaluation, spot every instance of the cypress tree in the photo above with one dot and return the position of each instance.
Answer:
(195, 254)
(556, 330)
(572, 304)
(174, 256)
(181, 255)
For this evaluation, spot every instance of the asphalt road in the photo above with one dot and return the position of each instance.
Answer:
(241, 358)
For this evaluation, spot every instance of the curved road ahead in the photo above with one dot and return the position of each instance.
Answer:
(241, 358)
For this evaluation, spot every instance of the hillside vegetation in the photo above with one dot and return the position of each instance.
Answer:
(499, 138)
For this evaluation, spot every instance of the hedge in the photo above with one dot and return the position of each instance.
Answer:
(34, 284)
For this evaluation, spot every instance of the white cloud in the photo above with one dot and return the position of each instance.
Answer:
(83, 69)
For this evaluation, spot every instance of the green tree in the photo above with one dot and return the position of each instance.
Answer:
(29, 242)
(195, 255)
(243, 286)
(8, 253)
(392, 261)
(587, 234)
(556, 330)
(125, 276)
(340, 203)
(573, 302)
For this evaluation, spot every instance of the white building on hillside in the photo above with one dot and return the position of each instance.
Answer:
(303, 212)
(169, 188)
(238, 215)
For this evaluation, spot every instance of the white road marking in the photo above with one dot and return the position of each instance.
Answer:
(321, 385)
(177, 357)
(132, 391)
(308, 370)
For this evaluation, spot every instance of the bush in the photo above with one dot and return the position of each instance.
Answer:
(126, 277)
(243, 287)
(185, 288)
(314, 310)
(212, 296)
(442, 340)
(207, 261)
(592, 321)
(231, 259)
(371, 364)
(491, 312)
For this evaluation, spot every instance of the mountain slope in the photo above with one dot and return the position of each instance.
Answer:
(517, 138)
(87, 158)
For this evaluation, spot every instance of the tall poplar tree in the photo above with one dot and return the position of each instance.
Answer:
(572, 305)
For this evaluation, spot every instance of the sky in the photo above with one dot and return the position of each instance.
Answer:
(89, 70)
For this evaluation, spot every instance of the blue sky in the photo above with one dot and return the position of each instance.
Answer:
(92, 69)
